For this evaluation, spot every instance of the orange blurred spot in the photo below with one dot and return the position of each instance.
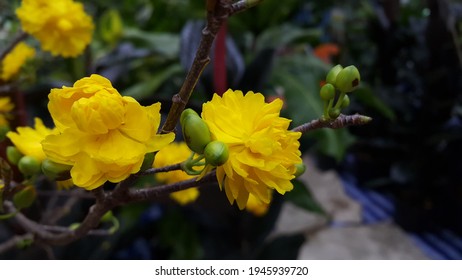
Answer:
(326, 51)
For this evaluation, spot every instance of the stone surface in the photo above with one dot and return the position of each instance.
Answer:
(350, 241)
(382, 241)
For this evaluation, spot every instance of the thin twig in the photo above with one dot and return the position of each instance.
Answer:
(215, 19)
(149, 194)
(243, 5)
(160, 169)
(59, 229)
(340, 122)
(19, 37)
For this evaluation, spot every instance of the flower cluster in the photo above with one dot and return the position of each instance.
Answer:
(262, 151)
(172, 154)
(104, 136)
(14, 60)
(62, 26)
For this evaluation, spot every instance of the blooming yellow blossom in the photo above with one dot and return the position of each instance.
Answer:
(14, 60)
(61, 26)
(172, 154)
(262, 151)
(28, 140)
(103, 135)
(5, 108)
(256, 206)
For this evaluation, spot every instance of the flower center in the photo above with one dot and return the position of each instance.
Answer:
(98, 114)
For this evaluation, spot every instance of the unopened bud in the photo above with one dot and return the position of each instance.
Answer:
(216, 153)
(13, 155)
(300, 168)
(196, 133)
(332, 75)
(348, 79)
(29, 165)
(56, 171)
(327, 92)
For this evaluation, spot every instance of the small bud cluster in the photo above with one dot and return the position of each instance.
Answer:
(342, 80)
(29, 166)
(198, 138)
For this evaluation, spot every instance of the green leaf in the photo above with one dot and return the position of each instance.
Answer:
(303, 198)
(147, 88)
(283, 35)
(165, 44)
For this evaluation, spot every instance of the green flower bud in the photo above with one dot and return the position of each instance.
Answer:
(348, 79)
(147, 162)
(29, 165)
(25, 197)
(4, 129)
(300, 168)
(332, 75)
(334, 113)
(13, 155)
(345, 102)
(196, 133)
(56, 171)
(327, 92)
(185, 113)
(216, 153)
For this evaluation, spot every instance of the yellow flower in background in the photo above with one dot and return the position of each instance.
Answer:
(14, 60)
(28, 140)
(262, 151)
(172, 154)
(61, 26)
(103, 135)
(256, 206)
(5, 108)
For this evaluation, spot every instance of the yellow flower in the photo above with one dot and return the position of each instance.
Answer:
(28, 140)
(62, 26)
(256, 206)
(102, 134)
(14, 60)
(172, 154)
(5, 108)
(262, 151)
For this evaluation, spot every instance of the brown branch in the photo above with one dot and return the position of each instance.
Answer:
(149, 194)
(340, 122)
(160, 169)
(19, 37)
(215, 18)
(105, 202)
